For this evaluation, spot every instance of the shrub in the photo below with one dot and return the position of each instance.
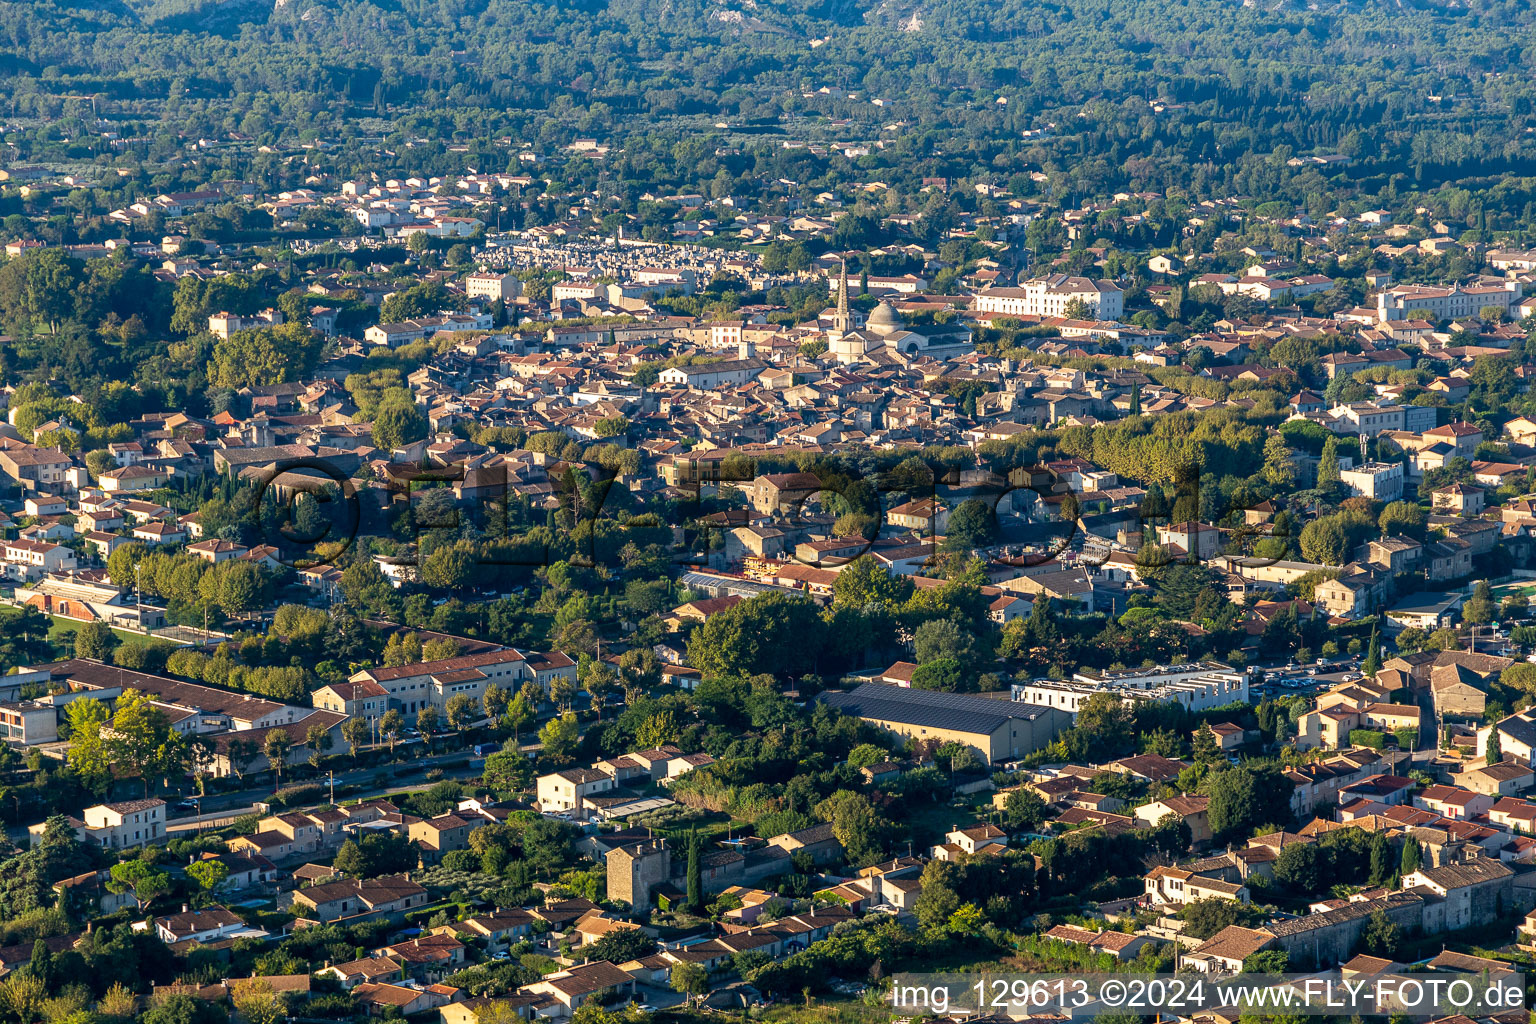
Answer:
(301, 795)
(1372, 738)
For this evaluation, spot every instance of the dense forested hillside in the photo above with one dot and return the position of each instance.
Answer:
(1232, 85)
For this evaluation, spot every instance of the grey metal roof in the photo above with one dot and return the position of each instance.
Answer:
(725, 585)
(931, 708)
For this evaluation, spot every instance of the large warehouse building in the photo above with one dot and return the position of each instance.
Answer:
(1002, 730)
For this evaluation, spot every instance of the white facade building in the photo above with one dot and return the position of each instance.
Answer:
(1049, 296)
(491, 286)
(1197, 687)
(1379, 481)
(1446, 303)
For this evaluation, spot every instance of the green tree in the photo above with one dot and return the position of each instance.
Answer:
(269, 355)
(1372, 663)
(1328, 463)
(278, 744)
(461, 712)
(866, 754)
(258, 1002)
(141, 879)
(143, 743)
(1025, 809)
(1267, 961)
(392, 725)
(122, 564)
(89, 755)
(940, 638)
(1207, 748)
(428, 723)
(94, 640)
(448, 567)
(971, 525)
(865, 580)
(1204, 918)
(494, 702)
(208, 874)
(1479, 609)
(690, 980)
(944, 674)
(505, 771)
(350, 860)
(1403, 519)
(1242, 797)
(776, 633)
(355, 732)
(1324, 540)
(397, 424)
(1077, 308)
(1381, 936)
(317, 739)
(559, 736)
(1381, 858)
(695, 874)
(518, 715)
(1279, 469)
(1300, 868)
(1412, 857)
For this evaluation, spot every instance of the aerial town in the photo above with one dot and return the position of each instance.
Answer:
(492, 540)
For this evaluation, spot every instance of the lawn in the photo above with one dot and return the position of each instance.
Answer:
(1504, 590)
(930, 823)
(61, 630)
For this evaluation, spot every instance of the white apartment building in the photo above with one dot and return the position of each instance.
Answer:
(656, 280)
(116, 826)
(1049, 296)
(491, 286)
(1197, 687)
(222, 325)
(1372, 418)
(1512, 259)
(29, 559)
(413, 687)
(564, 792)
(1451, 303)
(1379, 481)
(562, 290)
(407, 331)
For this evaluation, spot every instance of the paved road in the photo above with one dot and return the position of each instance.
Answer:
(220, 809)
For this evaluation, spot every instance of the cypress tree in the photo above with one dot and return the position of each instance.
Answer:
(1412, 857)
(695, 873)
(1372, 663)
(1381, 864)
(1328, 463)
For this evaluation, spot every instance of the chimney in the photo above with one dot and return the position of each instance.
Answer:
(185, 908)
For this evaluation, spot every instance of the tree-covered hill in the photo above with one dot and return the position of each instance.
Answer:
(1181, 92)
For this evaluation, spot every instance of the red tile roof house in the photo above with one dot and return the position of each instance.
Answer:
(1120, 945)
(208, 925)
(428, 957)
(388, 897)
(381, 999)
(370, 969)
(1453, 801)
(573, 988)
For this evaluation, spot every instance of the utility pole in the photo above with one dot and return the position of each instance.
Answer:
(332, 774)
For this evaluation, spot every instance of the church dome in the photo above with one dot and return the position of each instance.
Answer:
(883, 319)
